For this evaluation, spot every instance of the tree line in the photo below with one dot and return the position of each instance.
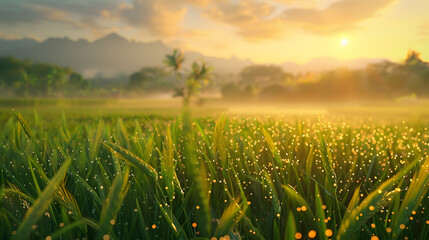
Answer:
(23, 78)
(377, 81)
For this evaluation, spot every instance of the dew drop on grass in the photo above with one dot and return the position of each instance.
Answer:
(312, 234)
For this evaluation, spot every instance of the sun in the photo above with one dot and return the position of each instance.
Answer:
(344, 42)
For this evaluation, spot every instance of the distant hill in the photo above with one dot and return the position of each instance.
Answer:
(113, 55)
(109, 55)
(7, 46)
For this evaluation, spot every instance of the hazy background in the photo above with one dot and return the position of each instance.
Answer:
(276, 51)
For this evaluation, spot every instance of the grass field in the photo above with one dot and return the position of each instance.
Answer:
(146, 170)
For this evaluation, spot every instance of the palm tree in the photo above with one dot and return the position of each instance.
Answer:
(198, 77)
(413, 58)
(175, 61)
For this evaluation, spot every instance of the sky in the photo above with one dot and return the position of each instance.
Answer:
(270, 31)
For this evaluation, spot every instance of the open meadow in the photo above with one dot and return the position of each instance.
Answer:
(214, 120)
(125, 169)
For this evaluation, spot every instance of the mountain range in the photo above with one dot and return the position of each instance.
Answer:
(114, 54)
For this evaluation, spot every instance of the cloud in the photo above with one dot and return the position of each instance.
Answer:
(195, 33)
(8, 36)
(105, 14)
(339, 16)
(257, 21)
(250, 18)
(182, 45)
(12, 14)
(23, 10)
(160, 17)
(304, 3)
(253, 20)
(424, 29)
(198, 2)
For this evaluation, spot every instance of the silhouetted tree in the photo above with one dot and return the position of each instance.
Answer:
(200, 75)
(231, 91)
(26, 78)
(174, 62)
(413, 59)
(274, 92)
(149, 78)
(263, 75)
(137, 79)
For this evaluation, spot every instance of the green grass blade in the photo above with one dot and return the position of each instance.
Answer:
(40, 205)
(167, 165)
(24, 125)
(273, 148)
(354, 202)
(290, 227)
(113, 203)
(132, 159)
(173, 223)
(218, 138)
(320, 214)
(369, 206)
(230, 217)
(416, 192)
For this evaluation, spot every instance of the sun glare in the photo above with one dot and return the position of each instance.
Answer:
(344, 42)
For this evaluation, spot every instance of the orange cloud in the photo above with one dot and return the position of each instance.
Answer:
(424, 29)
(191, 33)
(252, 19)
(198, 2)
(339, 16)
(8, 36)
(160, 17)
